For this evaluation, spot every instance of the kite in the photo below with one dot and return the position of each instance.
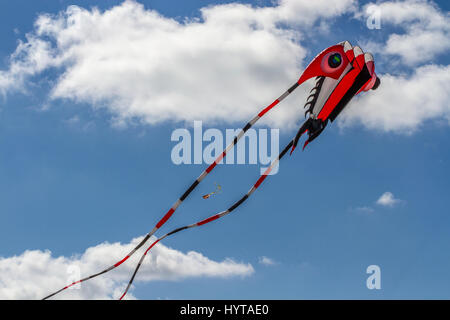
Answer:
(341, 72)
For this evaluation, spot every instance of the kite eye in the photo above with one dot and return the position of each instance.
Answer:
(334, 60)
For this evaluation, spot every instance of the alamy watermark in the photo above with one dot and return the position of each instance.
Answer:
(374, 280)
(204, 146)
(373, 17)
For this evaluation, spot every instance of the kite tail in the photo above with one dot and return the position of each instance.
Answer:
(213, 217)
(118, 263)
(189, 190)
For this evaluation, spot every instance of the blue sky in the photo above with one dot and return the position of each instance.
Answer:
(76, 170)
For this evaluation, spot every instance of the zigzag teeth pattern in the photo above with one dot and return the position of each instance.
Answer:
(312, 98)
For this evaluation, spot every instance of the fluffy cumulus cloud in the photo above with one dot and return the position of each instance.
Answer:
(403, 103)
(230, 62)
(426, 29)
(34, 274)
(387, 199)
(143, 66)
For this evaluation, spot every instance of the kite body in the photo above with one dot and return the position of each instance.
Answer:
(341, 72)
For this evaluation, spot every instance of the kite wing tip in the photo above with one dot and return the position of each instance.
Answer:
(304, 146)
(292, 150)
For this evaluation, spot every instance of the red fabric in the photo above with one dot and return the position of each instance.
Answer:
(337, 94)
(260, 180)
(165, 218)
(214, 217)
(273, 104)
(350, 55)
(151, 246)
(211, 166)
(361, 61)
(121, 261)
(315, 68)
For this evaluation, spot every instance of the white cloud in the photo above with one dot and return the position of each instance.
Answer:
(143, 66)
(387, 199)
(402, 104)
(266, 261)
(426, 30)
(35, 274)
(227, 65)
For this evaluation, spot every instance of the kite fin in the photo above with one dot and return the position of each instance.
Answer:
(304, 128)
(306, 143)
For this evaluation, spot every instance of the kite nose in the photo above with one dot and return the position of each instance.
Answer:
(376, 84)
